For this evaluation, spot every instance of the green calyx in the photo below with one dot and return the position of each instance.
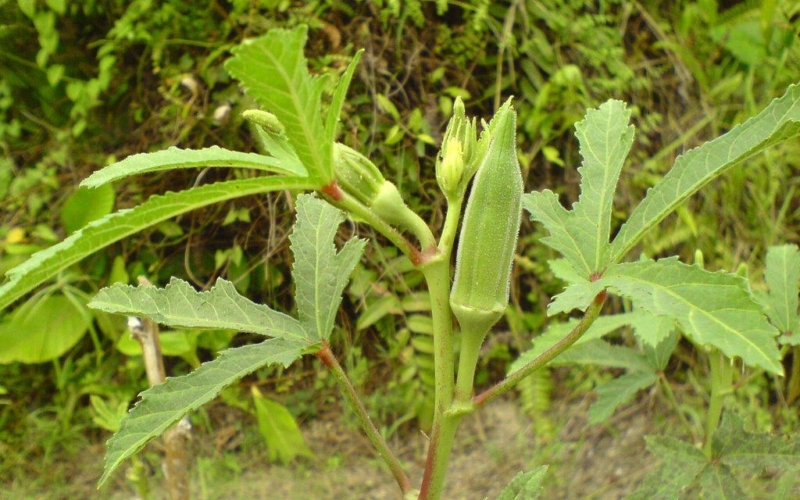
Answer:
(489, 231)
(390, 207)
(356, 174)
(360, 178)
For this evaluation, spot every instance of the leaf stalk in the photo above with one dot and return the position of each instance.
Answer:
(351, 396)
(539, 362)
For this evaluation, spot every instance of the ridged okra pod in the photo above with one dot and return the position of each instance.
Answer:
(489, 231)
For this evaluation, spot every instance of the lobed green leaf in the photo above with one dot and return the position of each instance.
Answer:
(103, 232)
(615, 393)
(273, 71)
(646, 326)
(658, 355)
(320, 273)
(780, 303)
(174, 158)
(525, 485)
(165, 404)
(180, 305)
(681, 464)
(583, 234)
(713, 309)
(732, 444)
(600, 353)
(737, 457)
(777, 122)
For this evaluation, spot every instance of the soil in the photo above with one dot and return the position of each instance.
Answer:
(586, 462)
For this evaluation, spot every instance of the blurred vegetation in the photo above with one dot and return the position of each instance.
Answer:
(85, 83)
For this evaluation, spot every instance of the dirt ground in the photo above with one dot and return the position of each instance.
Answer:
(586, 462)
(599, 462)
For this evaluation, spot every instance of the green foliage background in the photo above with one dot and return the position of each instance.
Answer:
(85, 83)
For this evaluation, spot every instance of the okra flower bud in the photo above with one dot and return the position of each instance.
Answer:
(356, 174)
(457, 161)
(271, 138)
(361, 179)
(452, 166)
(266, 120)
(489, 230)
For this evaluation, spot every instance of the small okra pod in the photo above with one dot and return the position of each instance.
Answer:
(489, 230)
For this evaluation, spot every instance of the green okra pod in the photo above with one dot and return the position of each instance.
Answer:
(489, 231)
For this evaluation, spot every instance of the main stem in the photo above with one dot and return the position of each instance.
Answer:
(721, 386)
(446, 423)
(328, 359)
(437, 275)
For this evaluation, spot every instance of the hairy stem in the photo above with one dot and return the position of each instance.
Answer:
(513, 379)
(721, 386)
(437, 275)
(450, 228)
(349, 204)
(351, 396)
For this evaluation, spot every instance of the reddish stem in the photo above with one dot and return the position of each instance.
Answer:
(332, 190)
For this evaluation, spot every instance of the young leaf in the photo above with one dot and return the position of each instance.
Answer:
(179, 305)
(279, 429)
(525, 485)
(174, 158)
(163, 405)
(337, 101)
(782, 276)
(617, 392)
(319, 272)
(273, 71)
(778, 121)
(711, 308)
(102, 232)
(583, 235)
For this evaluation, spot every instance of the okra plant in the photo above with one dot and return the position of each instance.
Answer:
(480, 180)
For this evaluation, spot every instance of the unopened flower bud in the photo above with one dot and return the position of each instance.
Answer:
(356, 174)
(452, 167)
